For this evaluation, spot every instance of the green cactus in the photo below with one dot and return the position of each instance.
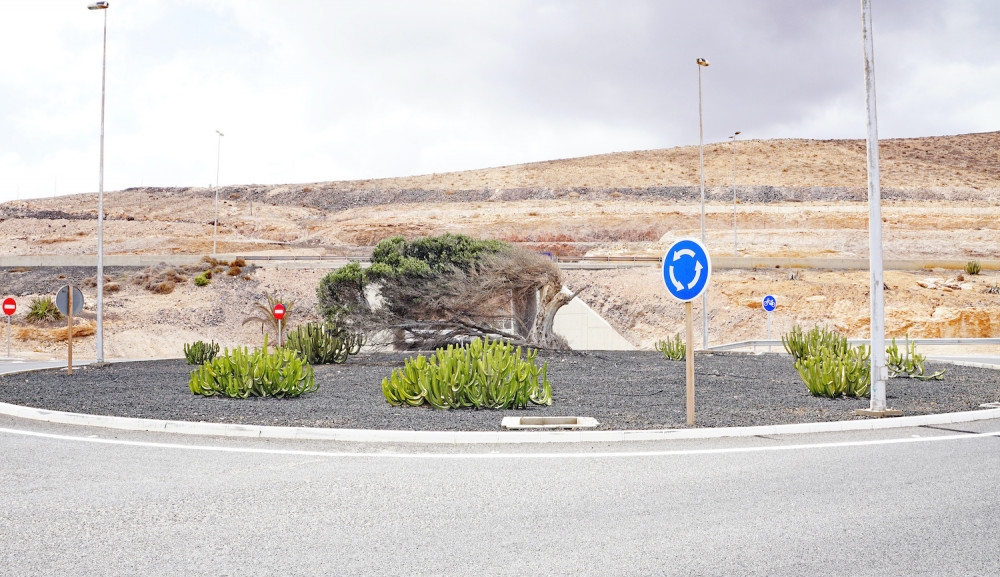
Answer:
(973, 267)
(259, 373)
(831, 375)
(908, 364)
(324, 343)
(483, 374)
(200, 352)
(672, 349)
(804, 345)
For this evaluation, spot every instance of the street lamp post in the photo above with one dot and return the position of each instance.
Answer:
(879, 373)
(100, 196)
(218, 156)
(701, 160)
(735, 134)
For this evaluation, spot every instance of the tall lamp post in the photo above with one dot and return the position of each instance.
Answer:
(879, 373)
(100, 196)
(701, 160)
(733, 137)
(218, 156)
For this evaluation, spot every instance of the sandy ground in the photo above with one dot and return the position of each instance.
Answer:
(946, 206)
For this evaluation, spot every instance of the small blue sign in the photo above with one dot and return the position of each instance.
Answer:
(686, 269)
(770, 303)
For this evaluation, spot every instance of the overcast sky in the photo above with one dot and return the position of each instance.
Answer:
(328, 90)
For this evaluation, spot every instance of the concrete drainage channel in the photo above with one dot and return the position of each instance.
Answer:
(545, 423)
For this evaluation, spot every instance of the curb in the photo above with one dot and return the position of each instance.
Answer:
(478, 437)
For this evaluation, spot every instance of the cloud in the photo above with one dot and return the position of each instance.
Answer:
(320, 90)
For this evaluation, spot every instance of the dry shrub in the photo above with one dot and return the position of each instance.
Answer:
(239, 263)
(20, 269)
(207, 274)
(160, 278)
(91, 281)
(234, 271)
(54, 334)
(112, 287)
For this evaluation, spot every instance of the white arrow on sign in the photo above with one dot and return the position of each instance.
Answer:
(697, 274)
(697, 269)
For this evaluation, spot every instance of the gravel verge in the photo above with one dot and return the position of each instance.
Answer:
(622, 390)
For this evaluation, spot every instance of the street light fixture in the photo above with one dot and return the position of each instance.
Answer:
(218, 155)
(100, 196)
(701, 160)
(735, 134)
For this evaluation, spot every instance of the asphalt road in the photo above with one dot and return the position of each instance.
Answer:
(91, 501)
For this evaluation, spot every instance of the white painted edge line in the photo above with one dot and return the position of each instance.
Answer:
(480, 437)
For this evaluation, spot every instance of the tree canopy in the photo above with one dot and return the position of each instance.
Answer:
(433, 290)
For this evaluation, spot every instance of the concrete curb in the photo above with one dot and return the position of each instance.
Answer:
(478, 437)
(484, 437)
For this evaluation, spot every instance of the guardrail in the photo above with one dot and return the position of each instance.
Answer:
(919, 341)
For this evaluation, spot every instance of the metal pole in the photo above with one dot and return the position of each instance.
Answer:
(734, 192)
(100, 212)
(689, 361)
(218, 156)
(701, 161)
(878, 370)
(8, 336)
(69, 330)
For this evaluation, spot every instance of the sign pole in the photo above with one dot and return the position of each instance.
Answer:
(769, 330)
(689, 335)
(8, 336)
(69, 330)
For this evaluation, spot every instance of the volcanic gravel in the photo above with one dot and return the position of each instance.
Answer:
(622, 390)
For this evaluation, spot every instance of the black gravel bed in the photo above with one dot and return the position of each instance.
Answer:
(622, 390)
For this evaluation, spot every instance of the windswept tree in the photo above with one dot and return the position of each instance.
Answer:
(433, 290)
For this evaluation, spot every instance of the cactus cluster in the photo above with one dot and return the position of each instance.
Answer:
(829, 374)
(483, 374)
(827, 364)
(259, 373)
(324, 343)
(909, 363)
(200, 352)
(973, 267)
(802, 345)
(672, 349)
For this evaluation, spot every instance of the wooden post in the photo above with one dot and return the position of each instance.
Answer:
(69, 329)
(689, 329)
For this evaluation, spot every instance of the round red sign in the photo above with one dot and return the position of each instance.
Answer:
(279, 311)
(9, 306)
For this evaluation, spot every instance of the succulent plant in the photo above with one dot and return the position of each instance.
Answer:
(483, 374)
(673, 349)
(259, 373)
(200, 352)
(324, 343)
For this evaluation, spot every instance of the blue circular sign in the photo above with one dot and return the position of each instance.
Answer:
(770, 303)
(686, 269)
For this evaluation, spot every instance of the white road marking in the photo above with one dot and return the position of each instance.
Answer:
(494, 455)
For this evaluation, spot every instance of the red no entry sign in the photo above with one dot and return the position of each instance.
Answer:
(9, 306)
(279, 311)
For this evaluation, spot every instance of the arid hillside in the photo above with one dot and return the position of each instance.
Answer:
(794, 198)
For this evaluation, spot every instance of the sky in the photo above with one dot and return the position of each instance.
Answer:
(312, 90)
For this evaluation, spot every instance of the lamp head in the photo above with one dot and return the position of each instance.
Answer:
(98, 6)
(702, 62)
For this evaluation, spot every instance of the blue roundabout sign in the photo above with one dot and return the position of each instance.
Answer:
(686, 269)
